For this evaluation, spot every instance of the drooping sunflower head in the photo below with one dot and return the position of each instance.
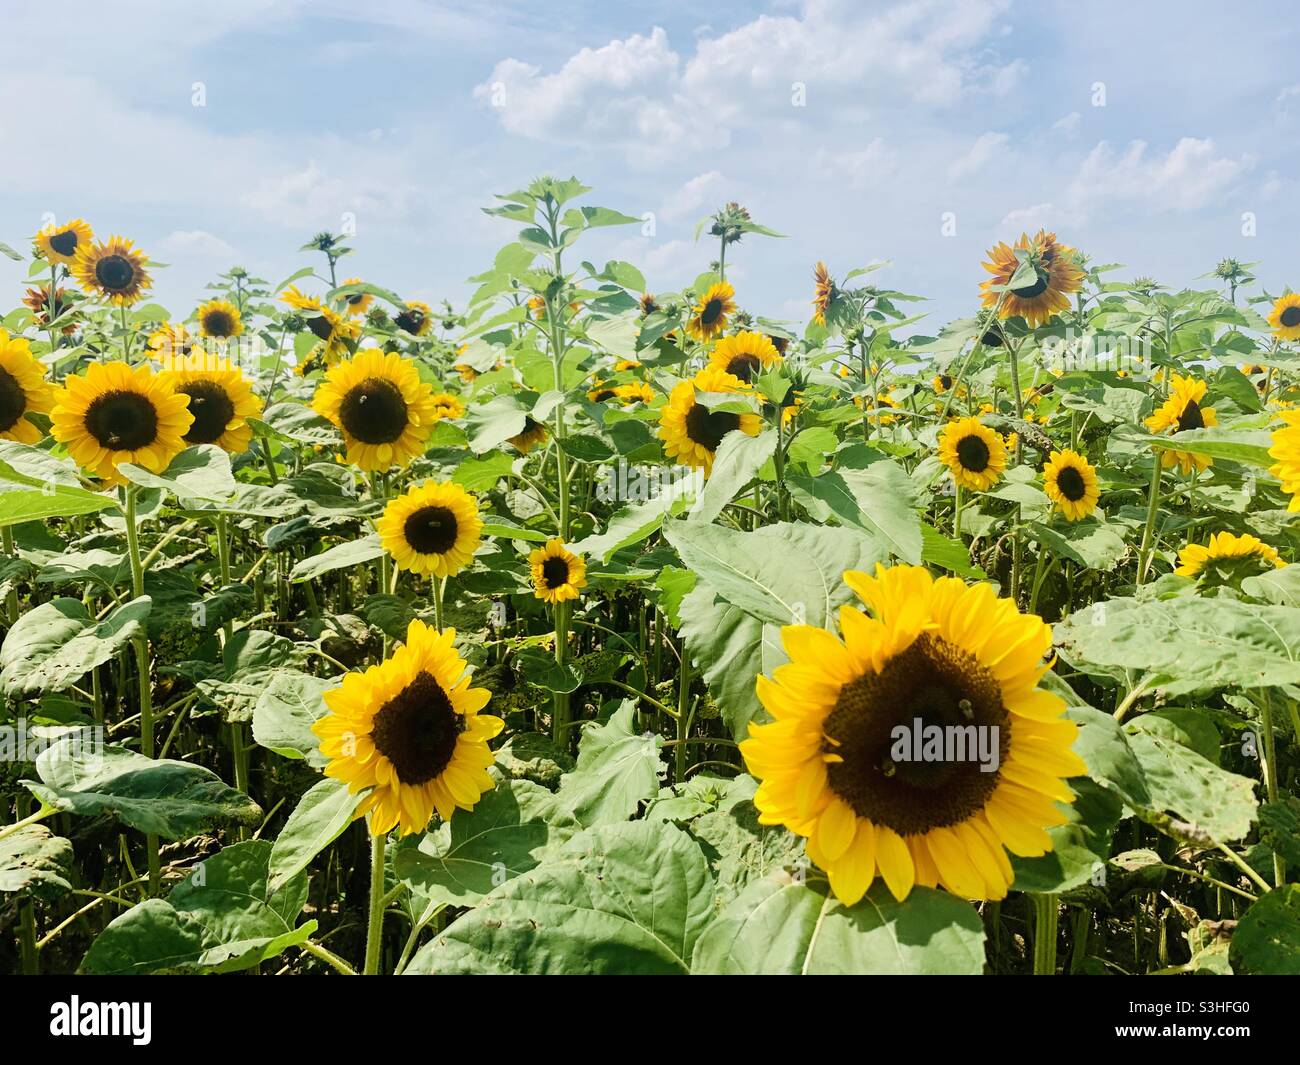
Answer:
(221, 399)
(116, 413)
(23, 390)
(380, 405)
(974, 453)
(1285, 448)
(416, 318)
(432, 529)
(1056, 275)
(712, 312)
(1226, 559)
(918, 745)
(532, 434)
(691, 432)
(745, 355)
(648, 304)
(356, 304)
(558, 574)
(445, 405)
(1285, 317)
(410, 730)
(823, 292)
(113, 270)
(60, 243)
(1070, 482)
(37, 300)
(219, 319)
(1182, 411)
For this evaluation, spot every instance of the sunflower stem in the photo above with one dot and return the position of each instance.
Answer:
(439, 585)
(143, 668)
(11, 598)
(1265, 703)
(560, 716)
(1046, 912)
(1153, 504)
(375, 924)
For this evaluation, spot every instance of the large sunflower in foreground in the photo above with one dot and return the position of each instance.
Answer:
(558, 574)
(710, 316)
(221, 399)
(691, 432)
(380, 405)
(60, 243)
(1227, 558)
(1056, 276)
(1180, 412)
(434, 528)
(745, 355)
(23, 390)
(219, 319)
(1285, 317)
(117, 413)
(974, 453)
(409, 729)
(113, 270)
(1286, 450)
(823, 292)
(1070, 481)
(836, 766)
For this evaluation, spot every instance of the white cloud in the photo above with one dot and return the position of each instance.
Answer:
(1068, 125)
(1186, 178)
(873, 163)
(987, 147)
(195, 244)
(695, 197)
(1039, 216)
(1286, 101)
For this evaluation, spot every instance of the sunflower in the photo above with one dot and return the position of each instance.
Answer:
(169, 339)
(219, 319)
(823, 293)
(692, 433)
(60, 244)
(432, 529)
(599, 391)
(117, 413)
(886, 401)
(221, 399)
(626, 364)
(1070, 481)
(409, 729)
(1180, 412)
(416, 318)
(300, 301)
(537, 305)
(356, 303)
(445, 405)
(558, 574)
(533, 433)
(648, 304)
(745, 355)
(468, 374)
(709, 317)
(37, 300)
(1227, 558)
(935, 652)
(1057, 275)
(332, 329)
(1286, 449)
(1285, 317)
(114, 270)
(1251, 369)
(380, 405)
(943, 382)
(23, 390)
(974, 453)
(636, 392)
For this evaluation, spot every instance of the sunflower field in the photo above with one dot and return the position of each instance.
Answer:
(594, 628)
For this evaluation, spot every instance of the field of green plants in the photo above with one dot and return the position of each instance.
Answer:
(595, 628)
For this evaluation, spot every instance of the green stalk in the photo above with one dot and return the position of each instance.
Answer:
(560, 716)
(1045, 918)
(143, 668)
(1270, 773)
(683, 716)
(11, 599)
(1153, 504)
(375, 924)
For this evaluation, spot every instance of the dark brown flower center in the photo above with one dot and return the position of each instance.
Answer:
(1038, 287)
(707, 428)
(115, 273)
(712, 312)
(64, 243)
(1191, 417)
(1290, 317)
(973, 454)
(374, 412)
(218, 324)
(938, 684)
(431, 530)
(555, 572)
(212, 410)
(1070, 483)
(416, 730)
(321, 326)
(122, 421)
(13, 400)
(744, 367)
(411, 320)
(945, 382)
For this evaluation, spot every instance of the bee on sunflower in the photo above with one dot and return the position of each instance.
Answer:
(356, 304)
(113, 270)
(1226, 559)
(410, 731)
(691, 432)
(1070, 482)
(221, 399)
(532, 434)
(117, 413)
(937, 652)
(1285, 317)
(1285, 448)
(744, 356)
(974, 454)
(380, 405)
(824, 292)
(23, 390)
(433, 528)
(219, 319)
(710, 315)
(558, 574)
(1181, 412)
(59, 244)
(1057, 274)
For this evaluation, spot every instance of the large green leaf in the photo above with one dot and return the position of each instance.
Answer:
(222, 918)
(1206, 802)
(624, 898)
(1089, 543)
(616, 771)
(492, 423)
(738, 461)
(201, 473)
(341, 556)
(51, 647)
(317, 821)
(1238, 445)
(631, 525)
(34, 861)
(285, 711)
(51, 501)
(1267, 939)
(780, 926)
(161, 796)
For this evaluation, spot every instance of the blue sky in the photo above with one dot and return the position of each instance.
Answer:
(385, 110)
